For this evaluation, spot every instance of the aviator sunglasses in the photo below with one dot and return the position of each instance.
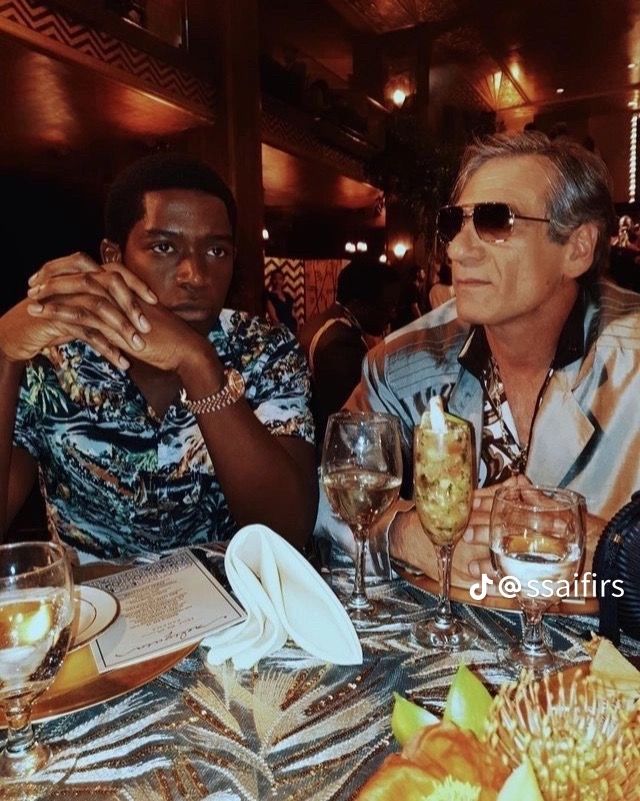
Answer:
(493, 222)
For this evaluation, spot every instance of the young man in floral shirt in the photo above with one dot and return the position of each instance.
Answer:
(154, 417)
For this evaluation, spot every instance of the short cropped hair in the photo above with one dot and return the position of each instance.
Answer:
(580, 186)
(364, 279)
(125, 201)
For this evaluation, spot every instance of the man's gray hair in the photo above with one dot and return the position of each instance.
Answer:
(580, 186)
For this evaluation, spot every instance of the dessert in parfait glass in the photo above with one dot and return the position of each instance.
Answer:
(443, 473)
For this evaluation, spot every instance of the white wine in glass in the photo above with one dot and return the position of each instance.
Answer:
(537, 535)
(361, 472)
(443, 472)
(36, 614)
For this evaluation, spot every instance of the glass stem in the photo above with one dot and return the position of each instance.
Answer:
(358, 599)
(532, 639)
(20, 734)
(443, 612)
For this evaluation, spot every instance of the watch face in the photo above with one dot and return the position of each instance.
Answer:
(235, 382)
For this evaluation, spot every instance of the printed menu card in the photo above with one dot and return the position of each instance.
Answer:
(164, 606)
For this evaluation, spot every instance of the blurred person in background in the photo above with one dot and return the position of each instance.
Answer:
(624, 266)
(412, 297)
(337, 339)
(279, 303)
(625, 225)
(442, 290)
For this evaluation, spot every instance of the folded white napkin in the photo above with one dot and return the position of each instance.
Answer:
(283, 596)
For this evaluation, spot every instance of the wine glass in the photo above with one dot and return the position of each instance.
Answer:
(361, 472)
(36, 613)
(443, 489)
(537, 536)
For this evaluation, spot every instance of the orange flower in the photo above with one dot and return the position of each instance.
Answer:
(446, 750)
(438, 754)
(398, 778)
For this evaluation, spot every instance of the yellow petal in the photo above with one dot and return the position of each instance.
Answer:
(521, 785)
(613, 670)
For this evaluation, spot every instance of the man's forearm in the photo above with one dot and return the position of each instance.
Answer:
(265, 478)
(410, 544)
(261, 480)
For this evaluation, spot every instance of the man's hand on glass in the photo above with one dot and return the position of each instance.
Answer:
(471, 558)
(410, 544)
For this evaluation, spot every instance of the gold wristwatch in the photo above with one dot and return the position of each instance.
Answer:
(231, 392)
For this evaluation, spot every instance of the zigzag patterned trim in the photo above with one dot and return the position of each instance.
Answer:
(62, 28)
(285, 134)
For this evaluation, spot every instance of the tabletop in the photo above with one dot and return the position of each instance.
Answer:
(292, 728)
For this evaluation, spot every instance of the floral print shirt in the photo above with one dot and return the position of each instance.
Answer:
(117, 480)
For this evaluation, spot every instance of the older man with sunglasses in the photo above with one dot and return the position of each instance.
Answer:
(536, 351)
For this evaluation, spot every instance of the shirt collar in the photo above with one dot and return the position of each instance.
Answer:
(475, 352)
(350, 316)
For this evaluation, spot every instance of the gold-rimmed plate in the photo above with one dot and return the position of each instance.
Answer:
(95, 610)
(80, 685)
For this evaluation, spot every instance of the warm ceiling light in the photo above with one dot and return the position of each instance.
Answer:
(400, 250)
(382, 258)
(516, 70)
(399, 96)
(361, 247)
(265, 234)
(350, 247)
(559, 90)
(631, 65)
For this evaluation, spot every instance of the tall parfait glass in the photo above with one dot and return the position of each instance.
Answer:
(36, 614)
(443, 478)
(361, 473)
